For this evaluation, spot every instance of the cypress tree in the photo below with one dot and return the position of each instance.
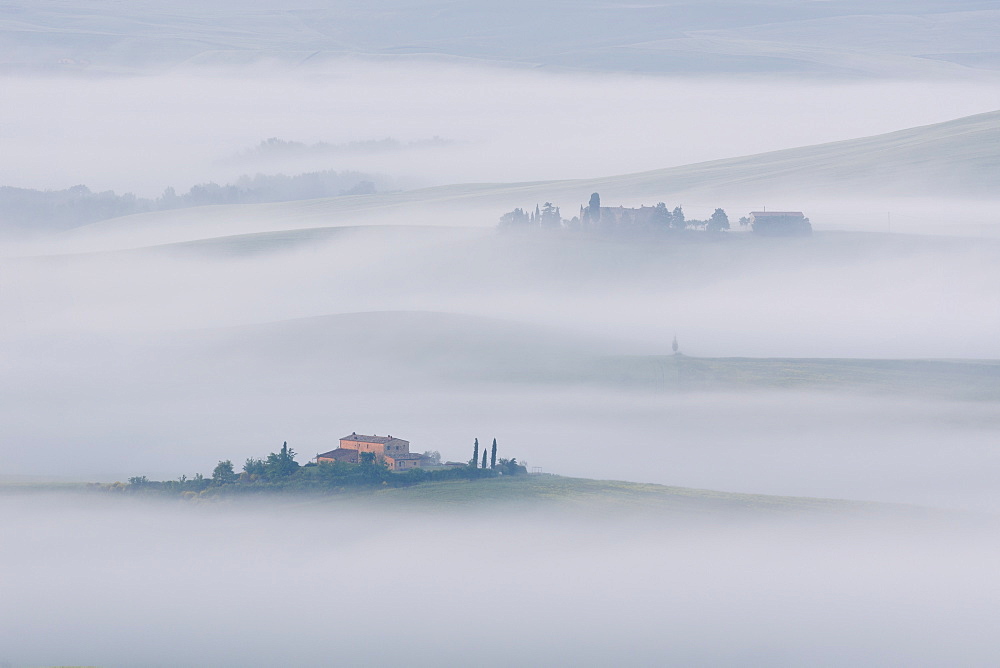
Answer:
(493, 455)
(594, 208)
(475, 454)
(484, 457)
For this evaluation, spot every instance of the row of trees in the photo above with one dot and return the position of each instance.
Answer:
(502, 466)
(547, 216)
(52, 210)
(273, 468)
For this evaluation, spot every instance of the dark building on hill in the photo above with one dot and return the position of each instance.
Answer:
(780, 223)
(619, 217)
(595, 216)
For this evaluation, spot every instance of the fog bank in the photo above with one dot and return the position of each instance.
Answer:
(144, 133)
(334, 583)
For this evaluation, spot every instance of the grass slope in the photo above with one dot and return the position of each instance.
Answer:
(611, 497)
(244, 245)
(956, 157)
(962, 379)
(456, 350)
(453, 348)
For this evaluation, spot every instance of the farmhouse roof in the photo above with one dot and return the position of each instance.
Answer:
(340, 454)
(407, 456)
(361, 438)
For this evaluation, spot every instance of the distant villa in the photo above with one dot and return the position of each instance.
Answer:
(393, 452)
(621, 219)
(612, 219)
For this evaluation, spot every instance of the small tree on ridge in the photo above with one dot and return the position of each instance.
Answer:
(224, 473)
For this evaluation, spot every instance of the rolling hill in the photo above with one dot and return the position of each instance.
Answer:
(951, 159)
(956, 159)
(621, 501)
(719, 36)
(595, 499)
(452, 350)
(455, 352)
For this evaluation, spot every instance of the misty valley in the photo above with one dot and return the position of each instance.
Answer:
(401, 333)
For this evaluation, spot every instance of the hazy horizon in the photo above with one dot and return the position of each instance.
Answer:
(550, 125)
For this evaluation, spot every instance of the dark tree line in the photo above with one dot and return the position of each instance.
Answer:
(501, 466)
(22, 209)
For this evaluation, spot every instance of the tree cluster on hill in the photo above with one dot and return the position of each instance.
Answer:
(595, 217)
(279, 471)
(281, 148)
(23, 209)
(502, 466)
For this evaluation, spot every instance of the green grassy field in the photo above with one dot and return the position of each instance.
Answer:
(545, 489)
(584, 497)
(602, 498)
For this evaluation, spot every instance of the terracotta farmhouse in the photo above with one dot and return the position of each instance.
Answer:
(393, 452)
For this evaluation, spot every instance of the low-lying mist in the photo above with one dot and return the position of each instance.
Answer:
(832, 295)
(360, 284)
(809, 443)
(335, 582)
(144, 133)
(162, 362)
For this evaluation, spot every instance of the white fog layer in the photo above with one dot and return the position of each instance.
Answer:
(722, 279)
(143, 584)
(502, 124)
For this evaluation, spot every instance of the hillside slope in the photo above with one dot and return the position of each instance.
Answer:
(955, 159)
(612, 499)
